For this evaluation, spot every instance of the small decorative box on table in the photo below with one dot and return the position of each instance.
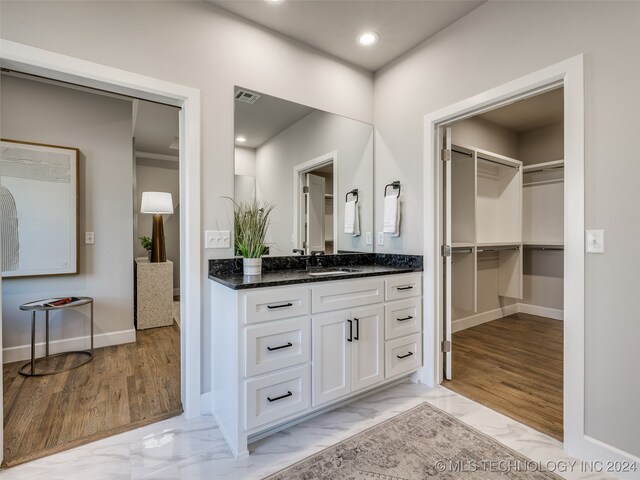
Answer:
(46, 306)
(154, 293)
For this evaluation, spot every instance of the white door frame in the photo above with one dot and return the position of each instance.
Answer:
(48, 64)
(568, 73)
(298, 183)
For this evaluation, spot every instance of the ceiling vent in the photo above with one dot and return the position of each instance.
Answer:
(246, 96)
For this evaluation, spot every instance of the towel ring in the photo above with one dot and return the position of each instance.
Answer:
(353, 192)
(394, 185)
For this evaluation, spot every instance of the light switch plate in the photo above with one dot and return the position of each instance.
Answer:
(369, 238)
(595, 241)
(217, 239)
(380, 238)
(89, 238)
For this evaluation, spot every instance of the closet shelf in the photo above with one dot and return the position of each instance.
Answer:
(539, 167)
(498, 244)
(543, 244)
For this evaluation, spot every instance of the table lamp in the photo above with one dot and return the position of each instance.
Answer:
(157, 203)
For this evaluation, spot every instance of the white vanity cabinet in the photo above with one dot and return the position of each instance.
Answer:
(281, 353)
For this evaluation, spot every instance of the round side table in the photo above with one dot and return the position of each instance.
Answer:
(46, 306)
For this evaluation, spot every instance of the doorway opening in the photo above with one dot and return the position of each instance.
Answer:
(503, 213)
(316, 217)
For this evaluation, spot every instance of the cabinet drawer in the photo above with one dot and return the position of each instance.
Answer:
(276, 345)
(274, 304)
(403, 317)
(277, 396)
(347, 294)
(403, 355)
(403, 286)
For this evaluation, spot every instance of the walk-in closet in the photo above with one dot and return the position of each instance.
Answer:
(505, 215)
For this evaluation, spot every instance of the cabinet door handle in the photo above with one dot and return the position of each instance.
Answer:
(288, 394)
(408, 287)
(405, 318)
(350, 339)
(357, 335)
(405, 356)
(284, 305)
(271, 349)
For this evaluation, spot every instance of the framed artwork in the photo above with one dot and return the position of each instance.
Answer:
(39, 206)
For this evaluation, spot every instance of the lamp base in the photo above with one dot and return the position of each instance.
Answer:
(158, 252)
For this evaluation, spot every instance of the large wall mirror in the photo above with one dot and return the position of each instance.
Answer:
(316, 167)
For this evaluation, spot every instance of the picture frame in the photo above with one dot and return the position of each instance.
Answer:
(39, 202)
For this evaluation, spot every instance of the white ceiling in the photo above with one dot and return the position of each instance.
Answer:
(530, 113)
(332, 26)
(156, 126)
(267, 117)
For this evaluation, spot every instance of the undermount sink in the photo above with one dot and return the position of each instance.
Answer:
(331, 271)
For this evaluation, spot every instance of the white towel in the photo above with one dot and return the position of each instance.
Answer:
(351, 219)
(392, 215)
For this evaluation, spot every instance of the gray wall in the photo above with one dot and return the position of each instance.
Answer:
(201, 46)
(101, 128)
(317, 134)
(499, 42)
(159, 176)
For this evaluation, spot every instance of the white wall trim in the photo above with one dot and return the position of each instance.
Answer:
(568, 73)
(23, 352)
(483, 317)
(27, 59)
(305, 167)
(554, 313)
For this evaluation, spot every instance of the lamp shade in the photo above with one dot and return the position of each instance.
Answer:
(156, 202)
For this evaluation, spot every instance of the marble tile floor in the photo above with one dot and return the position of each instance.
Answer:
(194, 449)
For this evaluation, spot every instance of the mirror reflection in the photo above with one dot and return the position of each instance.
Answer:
(316, 167)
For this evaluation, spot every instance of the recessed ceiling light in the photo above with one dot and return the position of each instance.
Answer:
(241, 139)
(367, 39)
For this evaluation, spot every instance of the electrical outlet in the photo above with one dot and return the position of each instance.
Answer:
(380, 238)
(595, 241)
(369, 238)
(89, 238)
(217, 239)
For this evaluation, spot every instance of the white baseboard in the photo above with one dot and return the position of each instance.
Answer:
(605, 458)
(491, 315)
(23, 352)
(554, 313)
(484, 317)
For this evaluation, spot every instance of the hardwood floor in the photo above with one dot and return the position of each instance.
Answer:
(514, 366)
(123, 387)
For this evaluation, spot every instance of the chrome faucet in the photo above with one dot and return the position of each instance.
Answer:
(313, 260)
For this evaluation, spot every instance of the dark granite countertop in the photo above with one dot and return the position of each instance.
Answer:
(278, 271)
(275, 278)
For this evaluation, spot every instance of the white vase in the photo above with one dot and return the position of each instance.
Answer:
(252, 266)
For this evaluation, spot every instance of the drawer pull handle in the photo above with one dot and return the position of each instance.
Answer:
(288, 394)
(405, 318)
(271, 349)
(284, 305)
(408, 287)
(350, 339)
(405, 356)
(357, 335)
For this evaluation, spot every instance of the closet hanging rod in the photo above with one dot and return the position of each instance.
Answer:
(498, 249)
(544, 247)
(543, 169)
(468, 154)
(462, 250)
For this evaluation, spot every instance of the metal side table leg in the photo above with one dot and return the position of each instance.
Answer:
(47, 334)
(91, 327)
(33, 342)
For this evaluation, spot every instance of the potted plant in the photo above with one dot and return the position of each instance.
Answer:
(251, 220)
(146, 244)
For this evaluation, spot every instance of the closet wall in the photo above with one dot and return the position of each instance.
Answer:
(542, 270)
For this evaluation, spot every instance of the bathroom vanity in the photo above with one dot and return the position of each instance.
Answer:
(291, 343)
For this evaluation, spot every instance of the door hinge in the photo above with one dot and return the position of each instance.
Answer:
(445, 155)
(445, 250)
(446, 346)
(305, 189)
